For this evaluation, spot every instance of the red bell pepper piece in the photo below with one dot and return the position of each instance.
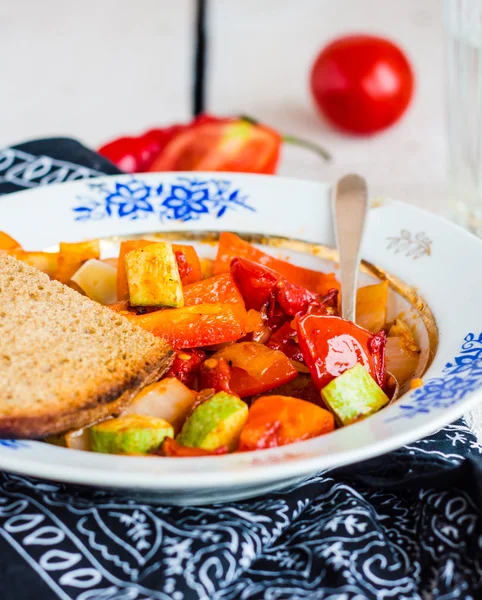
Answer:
(171, 448)
(221, 145)
(265, 290)
(136, 154)
(207, 143)
(217, 289)
(331, 345)
(215, 374)
(257, 283)
(186, 365)
(279, 420)
(232, 246)
(255, 368)
(285, 339)
(377, 346)
(194, 326)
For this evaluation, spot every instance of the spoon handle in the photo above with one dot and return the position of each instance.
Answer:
(350, 208)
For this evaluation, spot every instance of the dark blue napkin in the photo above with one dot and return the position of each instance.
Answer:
(403, 526)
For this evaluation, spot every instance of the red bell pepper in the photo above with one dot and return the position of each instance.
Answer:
(278, 420)
(224, 145)
(265, 290)
(186, 366)
(257, 283)
(218, 289)
(187, 259)
(285, 339)
(206, 144)
(254, 369)
(194, 326)
(171, 448)
(331, 345)
(215, 374)
(232, 246)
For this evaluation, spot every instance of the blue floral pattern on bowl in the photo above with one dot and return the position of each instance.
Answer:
(460, 377)
(187, 199)
(13, 444)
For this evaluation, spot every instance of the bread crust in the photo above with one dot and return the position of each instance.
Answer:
(65, 361)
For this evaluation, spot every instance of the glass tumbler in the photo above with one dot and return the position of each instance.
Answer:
(464, 111)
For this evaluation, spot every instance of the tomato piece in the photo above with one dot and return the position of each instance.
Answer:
(331, 345)
(171, 448)
(194, 326)
(254, 368)
(186, 365)
(220, 288)
(232, 246)
(221, 145)
(279, 420)
(362, 83)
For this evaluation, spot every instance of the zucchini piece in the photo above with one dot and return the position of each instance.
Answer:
(354, 395)
(215, 423)
(153, 276)
(131, 434)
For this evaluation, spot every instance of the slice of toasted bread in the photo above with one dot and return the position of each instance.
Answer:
(65, 361)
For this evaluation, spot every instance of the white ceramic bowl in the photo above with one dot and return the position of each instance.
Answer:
(426, 259)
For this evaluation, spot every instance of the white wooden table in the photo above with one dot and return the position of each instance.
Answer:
(94, 70)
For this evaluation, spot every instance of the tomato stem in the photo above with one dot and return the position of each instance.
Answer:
(295, 141)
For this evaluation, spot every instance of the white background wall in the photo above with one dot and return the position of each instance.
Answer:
(98, 68)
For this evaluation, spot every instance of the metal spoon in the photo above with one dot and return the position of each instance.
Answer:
(350, 209)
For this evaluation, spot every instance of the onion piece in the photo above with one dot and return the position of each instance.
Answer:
(168, 399)
(78, 439)
(371, 306)
(402, 359)
(300, 367)
(98, 280)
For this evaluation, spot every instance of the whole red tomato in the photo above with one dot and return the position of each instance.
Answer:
(362, 83)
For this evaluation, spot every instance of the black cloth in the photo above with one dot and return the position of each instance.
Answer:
(403, 526)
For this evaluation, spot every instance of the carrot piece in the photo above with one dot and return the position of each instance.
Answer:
(8, 243)
(125, 247)
(121, 306)
(207, 265)
(73, 256)
(231, 246)
(194, 326)
(47, 262)
(279, 420)
(218, 289)
(195, 272)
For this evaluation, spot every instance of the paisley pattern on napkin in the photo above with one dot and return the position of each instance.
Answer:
(331, 537)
